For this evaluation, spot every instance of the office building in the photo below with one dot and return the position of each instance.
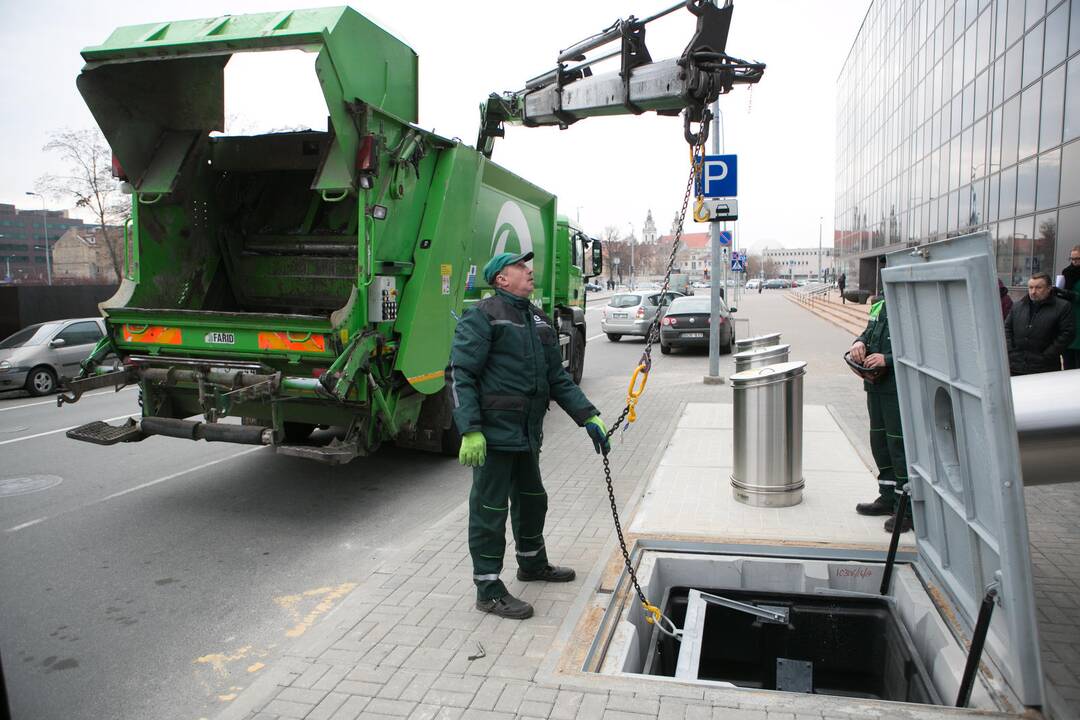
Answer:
(955, 116)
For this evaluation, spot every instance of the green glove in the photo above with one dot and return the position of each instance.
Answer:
(473, 451)
(598, 432)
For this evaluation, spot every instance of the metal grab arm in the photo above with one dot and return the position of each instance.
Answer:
(564, 95)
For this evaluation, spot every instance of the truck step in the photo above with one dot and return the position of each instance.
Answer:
(336, 453)
(102, 433)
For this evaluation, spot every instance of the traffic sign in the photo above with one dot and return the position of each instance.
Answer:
(718, 178)
(738, 263)
(725, 237)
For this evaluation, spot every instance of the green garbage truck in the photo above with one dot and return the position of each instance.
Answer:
(305, 279)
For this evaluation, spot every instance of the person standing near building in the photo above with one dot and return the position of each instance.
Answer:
(873, 350)
(841, 283)
(1006, 301)
(1040, 327)
(505, 366)
(1071, 275)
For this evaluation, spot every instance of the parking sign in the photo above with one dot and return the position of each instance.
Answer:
(718, 178)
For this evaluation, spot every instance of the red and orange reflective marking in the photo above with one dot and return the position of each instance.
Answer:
(152, 334)
(296, 342)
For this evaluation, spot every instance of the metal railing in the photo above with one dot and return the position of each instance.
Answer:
(809, 294)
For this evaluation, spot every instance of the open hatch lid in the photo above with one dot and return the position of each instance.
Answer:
(156, 89)
(960, 437)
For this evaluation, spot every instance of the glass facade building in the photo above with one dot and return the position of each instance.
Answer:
(955, 116)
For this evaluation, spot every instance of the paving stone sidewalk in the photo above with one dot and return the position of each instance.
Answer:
(404, 643)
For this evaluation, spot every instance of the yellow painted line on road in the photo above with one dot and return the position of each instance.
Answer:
(143, 486)
(63, 429)
(330, 595)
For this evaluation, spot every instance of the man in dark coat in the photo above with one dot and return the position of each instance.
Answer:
(1039, 328)
(841, 284)
(1071, 275)
(505, 366)
(873, 349)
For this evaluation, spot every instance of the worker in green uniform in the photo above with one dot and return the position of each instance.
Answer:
(873, 350)
(505, 366)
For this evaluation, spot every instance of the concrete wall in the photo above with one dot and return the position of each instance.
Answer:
(22, 305)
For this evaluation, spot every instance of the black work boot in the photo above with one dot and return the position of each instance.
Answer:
(507, 606)
(880, 506)
(905, 524)
(548, 573)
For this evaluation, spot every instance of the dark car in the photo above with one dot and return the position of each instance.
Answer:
(686, 324)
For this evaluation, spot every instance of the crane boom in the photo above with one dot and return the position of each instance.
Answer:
(567, 94)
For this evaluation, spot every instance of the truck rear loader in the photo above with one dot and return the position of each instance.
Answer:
(314, 278)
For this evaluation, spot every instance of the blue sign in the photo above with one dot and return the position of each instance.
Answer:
(738, 263)
(718, 176)
(725, 237)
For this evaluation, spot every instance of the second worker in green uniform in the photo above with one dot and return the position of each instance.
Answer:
(505, 367)
(873, 349)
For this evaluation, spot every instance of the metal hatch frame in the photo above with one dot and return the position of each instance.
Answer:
(960, 437)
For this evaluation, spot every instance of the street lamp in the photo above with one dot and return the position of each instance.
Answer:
(819, 221)
(632, 243)
(45, 225)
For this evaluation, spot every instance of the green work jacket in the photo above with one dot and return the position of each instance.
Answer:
(876, 339)
(505, 367)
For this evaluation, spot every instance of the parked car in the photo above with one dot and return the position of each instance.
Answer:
(593, 287)
(36, 357)
(775, 283)
(632, 313)
(686, 324)
(753, 284)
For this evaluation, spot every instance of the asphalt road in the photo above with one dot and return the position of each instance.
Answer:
(157, 579)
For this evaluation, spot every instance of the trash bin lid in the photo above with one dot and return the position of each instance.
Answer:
(759, 351)
(961, 443)
(771, 338)
(769, 374)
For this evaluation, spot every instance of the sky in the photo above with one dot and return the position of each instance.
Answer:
(606, 172)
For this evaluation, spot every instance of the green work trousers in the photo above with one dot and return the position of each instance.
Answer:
(506, 482)
(887, 444)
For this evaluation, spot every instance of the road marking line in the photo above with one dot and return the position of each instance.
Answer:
(176, 475)
(64, 429)
(594, 337)
(143, 486)
(25, 525)
(53, 402)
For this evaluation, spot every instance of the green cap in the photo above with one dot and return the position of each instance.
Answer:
(500, 261)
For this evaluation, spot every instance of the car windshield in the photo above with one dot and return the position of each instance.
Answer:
(691, 305)
(33, 335)
(625, 301)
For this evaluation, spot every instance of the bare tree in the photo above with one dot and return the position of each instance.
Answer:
(88, 181)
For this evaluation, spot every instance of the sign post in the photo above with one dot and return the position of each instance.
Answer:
(717, 188)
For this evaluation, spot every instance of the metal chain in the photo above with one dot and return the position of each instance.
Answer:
(646, 363)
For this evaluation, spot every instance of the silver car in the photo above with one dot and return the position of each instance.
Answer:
(37, 356)
(632, 313)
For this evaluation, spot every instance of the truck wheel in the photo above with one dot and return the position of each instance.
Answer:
(577, 355)
(614, 337)
(41, 381)
(298, 431)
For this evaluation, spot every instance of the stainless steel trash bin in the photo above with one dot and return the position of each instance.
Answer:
(760, 357)
(768, 435)
(756, 342)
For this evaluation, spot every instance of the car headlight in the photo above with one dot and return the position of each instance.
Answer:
(5, 365)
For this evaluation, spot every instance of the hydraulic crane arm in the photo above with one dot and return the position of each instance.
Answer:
(567, 93)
